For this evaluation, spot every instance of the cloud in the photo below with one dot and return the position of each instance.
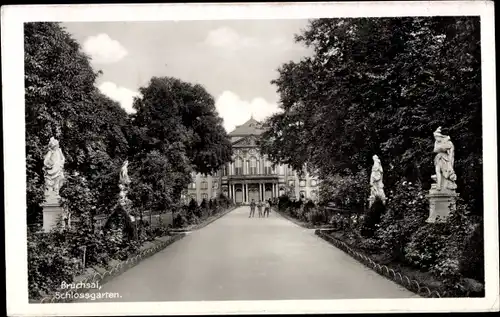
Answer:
(122, 95)
(103, 49)
(236, 111)
(227, 38)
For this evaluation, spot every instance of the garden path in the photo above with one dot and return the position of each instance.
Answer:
(237, 258)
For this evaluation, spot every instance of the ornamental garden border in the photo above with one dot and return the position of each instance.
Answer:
(115, 271)
(123, 266)
(413, 285)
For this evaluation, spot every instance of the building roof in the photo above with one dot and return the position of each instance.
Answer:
(251, 127)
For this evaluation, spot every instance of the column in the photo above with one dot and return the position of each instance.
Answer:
(260, 191)
(246, 192)
(233, 194)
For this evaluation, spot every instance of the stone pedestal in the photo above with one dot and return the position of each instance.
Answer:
(52, 214)
(441, 203)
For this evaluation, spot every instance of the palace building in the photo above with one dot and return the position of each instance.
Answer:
(251, 175)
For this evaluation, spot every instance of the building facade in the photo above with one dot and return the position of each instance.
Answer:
(250, 175)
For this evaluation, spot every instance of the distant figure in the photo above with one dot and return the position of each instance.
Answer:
(252, 209)
(259, 207)
(267, 209)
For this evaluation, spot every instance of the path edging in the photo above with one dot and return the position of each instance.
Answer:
(115, 271)
(403, 280)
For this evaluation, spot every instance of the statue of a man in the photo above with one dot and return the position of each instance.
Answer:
(445, 175)
(376, 181)
(54, 168)
(124, 179)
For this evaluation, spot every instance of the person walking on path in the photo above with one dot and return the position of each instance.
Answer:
(267, 209)
(259, 207)
(252, 209)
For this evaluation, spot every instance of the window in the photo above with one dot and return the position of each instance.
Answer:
(253, 166)
(313, 182)
(268, 169)
(291, 183)
(204, 196)
(192, 185)
(204, 185)
(193, 196)
(238, 166)
(314, 194)
(302, 194)
(215, 185)
(282, 170)
(302, 183)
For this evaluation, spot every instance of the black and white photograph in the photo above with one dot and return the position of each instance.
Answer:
(250, 158)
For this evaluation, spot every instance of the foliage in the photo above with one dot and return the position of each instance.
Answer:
(151, 187)
(472, 263)
(347, 191)
(382, 86)
(176, 129)
(49, 264)
(407, 210)
(372, 218)
(424, 246)
(62, 102)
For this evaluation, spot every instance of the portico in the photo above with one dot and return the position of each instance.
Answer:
(244, 190)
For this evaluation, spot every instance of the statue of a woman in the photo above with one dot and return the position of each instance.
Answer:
(376, 181)
(445, 175)
(54, 168)
(124, 179)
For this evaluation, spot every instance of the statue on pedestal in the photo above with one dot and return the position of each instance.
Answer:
(442, 195)
(376, 181)
(445, 176)
(53, 170)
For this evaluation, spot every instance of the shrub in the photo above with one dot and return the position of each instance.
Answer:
(407, 210)
(49, 263)
(347, 191)
(372, 218)
(423, 249)
(179, 220)
(317, 217)
(193, 210)
(284, 203)
(472, 256)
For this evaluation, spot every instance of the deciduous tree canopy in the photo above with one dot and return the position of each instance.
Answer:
(382, 86)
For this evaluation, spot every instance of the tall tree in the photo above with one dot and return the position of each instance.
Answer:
(382, 86)
(61, 101)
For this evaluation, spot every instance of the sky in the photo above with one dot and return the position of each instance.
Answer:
(235, 60)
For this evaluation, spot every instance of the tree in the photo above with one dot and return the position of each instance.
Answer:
(382, 86)
(178, 120)
(61, 101)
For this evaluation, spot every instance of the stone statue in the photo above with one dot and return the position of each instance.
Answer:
(124, 179)
(376, 181)
(442, 196)
(445, 176)
(54, 169)
(123, 184)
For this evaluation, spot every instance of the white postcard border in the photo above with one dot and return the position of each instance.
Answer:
(13, 18)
